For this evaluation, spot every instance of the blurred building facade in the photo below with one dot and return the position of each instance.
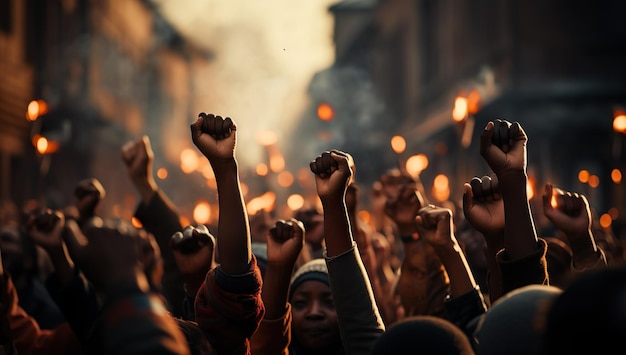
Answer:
(554, 66)
(106, 72)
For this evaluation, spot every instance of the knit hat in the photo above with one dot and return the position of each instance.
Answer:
(514, 323)
(426, 335)
(312, 270)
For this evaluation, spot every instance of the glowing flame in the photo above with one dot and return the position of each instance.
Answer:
(594, 181)
(553, 202)
(473, 102)
(441, 188)
(530, 188)
(35, 109)
(459, 113)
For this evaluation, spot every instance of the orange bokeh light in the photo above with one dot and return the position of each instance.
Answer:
(325, 112)
(398, 144)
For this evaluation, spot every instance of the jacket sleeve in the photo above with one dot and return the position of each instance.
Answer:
(360, 322)
(229, 308)
(273, 336)
(529, 270)
(28, 338)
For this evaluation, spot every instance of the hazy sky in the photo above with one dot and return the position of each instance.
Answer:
(265, 55)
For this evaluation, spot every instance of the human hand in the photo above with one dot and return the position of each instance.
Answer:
(108, 253)
(404, 208)
(333, 173)
(284, 242)
(434, 225)
(483, 205)
(193, 250)
(138, 157)
(503, 146)
(46, 229)
(568, 211)
(215, 137)
(89, 193)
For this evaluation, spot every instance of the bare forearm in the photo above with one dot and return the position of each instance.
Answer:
(519, 230)
(584, 249)
(233, 232)
(275, 290)
(461, 277)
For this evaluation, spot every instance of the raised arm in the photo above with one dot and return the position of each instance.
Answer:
(229, 307)
(215, 137)
(133, 319)
(484, 210)
(157, 214)
(284, 243)
(193, 250)
(503, 146)
(359, 319)
(464, 301)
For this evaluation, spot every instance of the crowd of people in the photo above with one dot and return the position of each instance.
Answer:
(419, 279)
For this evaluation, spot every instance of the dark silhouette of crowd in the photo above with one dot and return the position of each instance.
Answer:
(419, 278)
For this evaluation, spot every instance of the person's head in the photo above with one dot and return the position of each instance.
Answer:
(315, 328)
(426, 335)
(515, 322)
(589, 317)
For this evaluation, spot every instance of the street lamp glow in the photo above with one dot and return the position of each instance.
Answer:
(619, 123)
(616, 176)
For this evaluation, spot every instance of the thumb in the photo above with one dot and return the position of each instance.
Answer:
(196, 127)
(468, 198)
(485, 139)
